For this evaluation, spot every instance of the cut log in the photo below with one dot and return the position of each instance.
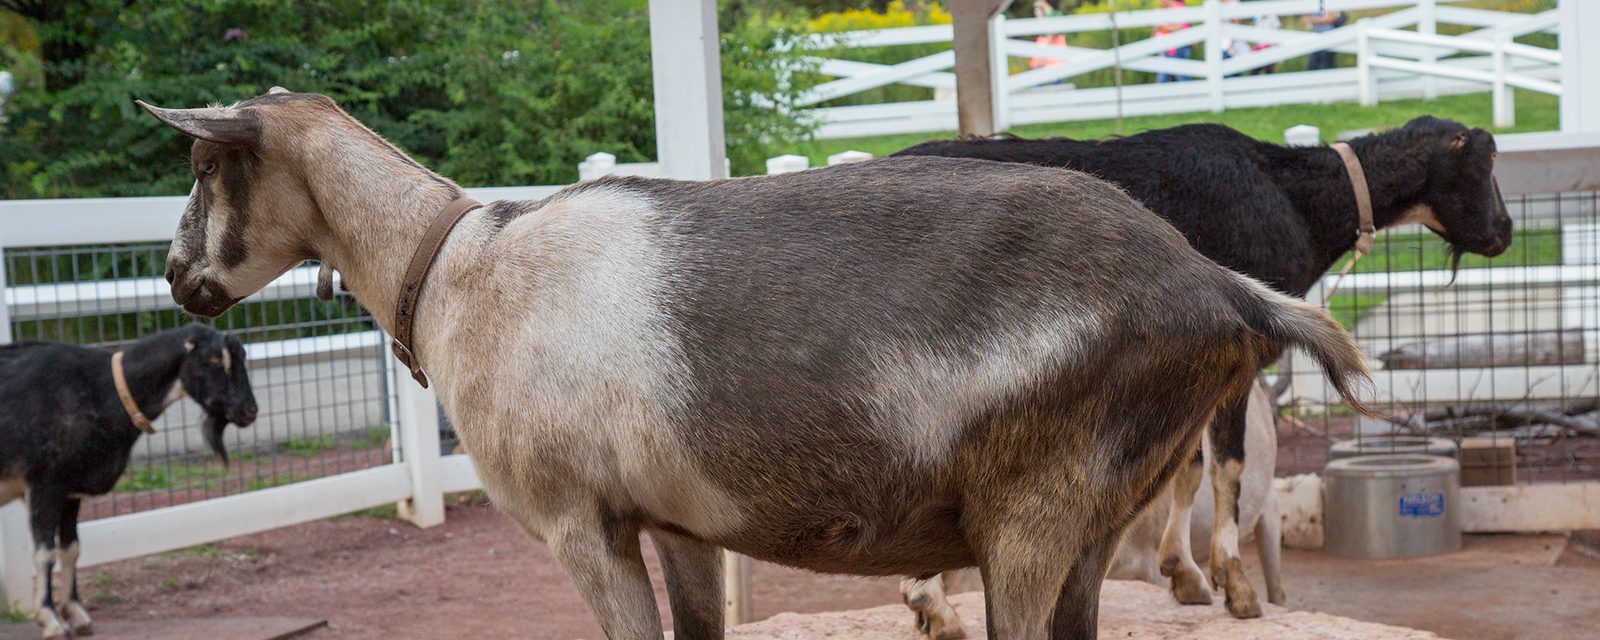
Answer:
(1488, 350)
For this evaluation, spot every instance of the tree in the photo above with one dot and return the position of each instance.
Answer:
(498, 92)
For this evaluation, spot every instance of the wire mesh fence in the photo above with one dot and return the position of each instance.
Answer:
(318, 369)
(1503, 354)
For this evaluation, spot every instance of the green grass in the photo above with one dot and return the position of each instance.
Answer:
(308, 447)
(1535, 112)
(380, 512)
(1401, 252)
(1425, 251)
(257, 484)
(167, 477)
(14, 616)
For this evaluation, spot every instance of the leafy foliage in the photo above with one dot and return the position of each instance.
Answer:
(500, 92)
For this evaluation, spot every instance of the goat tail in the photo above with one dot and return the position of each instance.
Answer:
(1287, 320)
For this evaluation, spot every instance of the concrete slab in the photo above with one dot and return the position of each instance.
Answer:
(184, 629)
(1134, 610)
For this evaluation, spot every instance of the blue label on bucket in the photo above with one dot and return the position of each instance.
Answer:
(1422, 505)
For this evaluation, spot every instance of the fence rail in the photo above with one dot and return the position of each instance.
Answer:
(1391, 63)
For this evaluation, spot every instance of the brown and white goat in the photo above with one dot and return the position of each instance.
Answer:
(895, 367)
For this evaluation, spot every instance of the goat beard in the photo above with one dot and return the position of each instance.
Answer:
(1455, 264)
(212, 430)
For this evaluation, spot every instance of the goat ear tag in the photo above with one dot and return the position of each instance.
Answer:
(276, 89)
(188, 345)
(1459, 143)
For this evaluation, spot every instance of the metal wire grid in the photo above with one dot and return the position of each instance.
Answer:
(1542, 315)
(318, 370)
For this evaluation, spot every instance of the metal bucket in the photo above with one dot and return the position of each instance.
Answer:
(1392, 506)
(1390, 445)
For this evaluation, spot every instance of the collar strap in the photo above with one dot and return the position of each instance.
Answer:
(417, 273)
(126, 396)
(1358, 183)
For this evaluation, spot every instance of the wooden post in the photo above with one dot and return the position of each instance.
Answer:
(419, 445)
(1214, 54)
(16, 539)
(975, 84)
(1428, 24)
(736, 599)
(1580, 63)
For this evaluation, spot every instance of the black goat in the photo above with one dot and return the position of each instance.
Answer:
(67, 432)
(1282, 215)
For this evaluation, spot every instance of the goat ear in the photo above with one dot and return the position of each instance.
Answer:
(222, 125)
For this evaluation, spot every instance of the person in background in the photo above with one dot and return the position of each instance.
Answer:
(1265, 21)
(1322, 22)
(1042, 9)
(1176, 52)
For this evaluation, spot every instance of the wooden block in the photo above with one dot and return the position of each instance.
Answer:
(1488, 452)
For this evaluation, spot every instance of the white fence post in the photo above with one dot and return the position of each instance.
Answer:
(999, 72)
(848, 156)
(1428, 24)
(1504, 110)
(16, 540)
(1580, 64)
(1214, 54)
(419, 443)
(787, 163)
(1364, 79)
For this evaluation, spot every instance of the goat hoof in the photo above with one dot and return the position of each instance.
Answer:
(51, 626)
(942, 628)
(1243, 608)
(74, 616)
(1190, 588)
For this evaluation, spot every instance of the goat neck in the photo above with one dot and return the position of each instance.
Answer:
(1319, 189)
(151, 368)
(377, 204)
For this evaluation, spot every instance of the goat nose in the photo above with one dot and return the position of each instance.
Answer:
(171, 274)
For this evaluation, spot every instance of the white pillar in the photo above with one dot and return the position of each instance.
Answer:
(1504, 107)
(418, 419)
(16, 540)
(1428, 24)
(1365, 82)
(686, 59)
(1580, 65)
(999, 72)
(1214, 55)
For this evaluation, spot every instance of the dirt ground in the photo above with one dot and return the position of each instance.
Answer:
(478, 576)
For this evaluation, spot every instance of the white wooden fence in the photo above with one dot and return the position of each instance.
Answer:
(1392, 63)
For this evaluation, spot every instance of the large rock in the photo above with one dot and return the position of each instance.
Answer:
(1127, 610)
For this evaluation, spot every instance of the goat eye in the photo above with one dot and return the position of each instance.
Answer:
(208, 167)
(217, 360)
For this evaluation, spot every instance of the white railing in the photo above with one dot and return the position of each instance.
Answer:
(1393, 64)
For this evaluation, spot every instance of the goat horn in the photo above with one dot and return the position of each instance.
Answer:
(222, 125)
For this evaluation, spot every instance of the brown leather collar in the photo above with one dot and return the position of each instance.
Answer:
(1358, 183)
(128, 403)
(417, 273)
